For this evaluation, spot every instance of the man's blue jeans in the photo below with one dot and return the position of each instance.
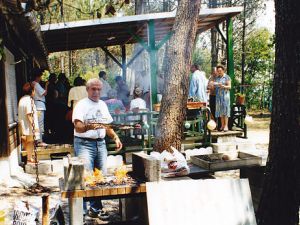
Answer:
(93, 154)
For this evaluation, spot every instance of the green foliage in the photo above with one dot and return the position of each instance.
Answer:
(239, 94)
(259, 67)
(201, 57)
(72, 10)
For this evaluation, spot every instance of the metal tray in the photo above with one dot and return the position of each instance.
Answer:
(217, 163)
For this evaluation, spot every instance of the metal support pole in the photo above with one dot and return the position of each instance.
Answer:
(230, 64)
(153, 62)
(124, 67)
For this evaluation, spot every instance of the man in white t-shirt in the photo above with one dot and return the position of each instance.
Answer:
(39, 98)
(28, 119)
(89, 144)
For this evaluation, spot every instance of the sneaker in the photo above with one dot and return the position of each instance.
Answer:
(102, 215)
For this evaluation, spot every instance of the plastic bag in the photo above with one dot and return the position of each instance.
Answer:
(173, 164)
(25, 214)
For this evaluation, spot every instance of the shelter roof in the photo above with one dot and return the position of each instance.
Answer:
(26, 29)
(118, 30)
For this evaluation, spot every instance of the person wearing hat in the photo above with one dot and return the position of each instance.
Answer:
(27, 117)
(137, 102)
(136, 105)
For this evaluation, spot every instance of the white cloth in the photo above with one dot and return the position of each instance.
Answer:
(105, 88)
(198, 86)
(39, 98)
(137, 103)
(88, 111)
(25, 108)
(76, 93)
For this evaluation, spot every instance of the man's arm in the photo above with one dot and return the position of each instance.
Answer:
(111, 133)
(80, 127)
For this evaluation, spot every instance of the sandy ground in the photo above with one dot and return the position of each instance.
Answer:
(258, 133)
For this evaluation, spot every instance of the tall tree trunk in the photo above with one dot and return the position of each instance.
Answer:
(173, 106)
(70, 63)
(280, 198)
(139, 7)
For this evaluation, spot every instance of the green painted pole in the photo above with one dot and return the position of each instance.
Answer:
(230, 63)
(153, 62)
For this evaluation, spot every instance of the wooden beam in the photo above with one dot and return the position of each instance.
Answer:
(135, 56)
(111, 56)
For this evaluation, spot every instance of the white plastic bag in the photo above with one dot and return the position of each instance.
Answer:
(174, 163)
(25, 214)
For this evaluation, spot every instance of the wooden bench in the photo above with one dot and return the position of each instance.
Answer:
(51, 151)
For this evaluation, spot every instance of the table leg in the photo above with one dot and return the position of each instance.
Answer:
(76, 211)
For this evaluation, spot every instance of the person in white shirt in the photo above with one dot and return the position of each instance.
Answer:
(39, 99)
(137, 102)
(136, 105)
(77, 92)
(88, 117)
(28, 121)
(106, 86)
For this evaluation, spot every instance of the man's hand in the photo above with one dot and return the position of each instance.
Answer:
(119, 144)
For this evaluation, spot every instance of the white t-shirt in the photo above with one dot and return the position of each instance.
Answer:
(39, 98)
(137, 103)
(25, 108)
(88, 111)
(76, 93)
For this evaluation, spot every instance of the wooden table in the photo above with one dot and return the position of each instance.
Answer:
(75, 197)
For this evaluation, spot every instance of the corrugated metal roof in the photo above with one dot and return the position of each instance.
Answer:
(118, 30)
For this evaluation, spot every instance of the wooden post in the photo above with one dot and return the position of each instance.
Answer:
(73, 174)
(146, 167)
(45, 209)
(76, 211)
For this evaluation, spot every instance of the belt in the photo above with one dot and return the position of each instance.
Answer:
(90, 139)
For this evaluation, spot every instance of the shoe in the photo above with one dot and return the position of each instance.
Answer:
(102, 215)
(225, 130)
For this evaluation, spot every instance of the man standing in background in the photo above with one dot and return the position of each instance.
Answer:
(105, 85)
(198, 84)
